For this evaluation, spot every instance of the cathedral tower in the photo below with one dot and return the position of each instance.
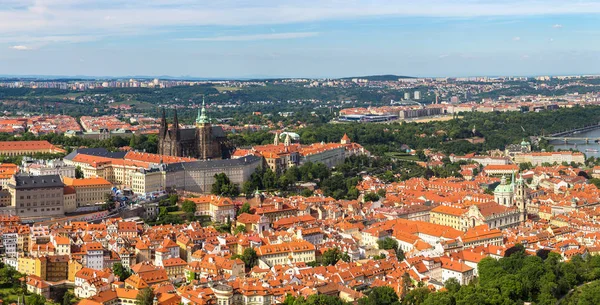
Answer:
(204, 133)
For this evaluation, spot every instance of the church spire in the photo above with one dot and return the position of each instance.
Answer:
(163, 123)
(201, 118)
(176, 125)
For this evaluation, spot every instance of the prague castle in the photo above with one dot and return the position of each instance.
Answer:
(204, 141)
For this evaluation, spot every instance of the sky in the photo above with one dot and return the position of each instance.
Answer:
(301, 38)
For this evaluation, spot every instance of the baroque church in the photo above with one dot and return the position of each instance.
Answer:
(204, 141)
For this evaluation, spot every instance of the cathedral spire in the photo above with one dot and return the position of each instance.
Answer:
(201, 118)
(176, 125)
(163, 123)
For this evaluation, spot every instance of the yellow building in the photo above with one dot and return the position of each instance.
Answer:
(33, 265)
(220, 209)
(448, 216)
(73, 267)
(89, 191)
(147, 181)
(175, 267)
(287, 252)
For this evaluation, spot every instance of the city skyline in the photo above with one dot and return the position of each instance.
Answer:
(317, 39)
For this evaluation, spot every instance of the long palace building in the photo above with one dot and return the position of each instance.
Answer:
(147, 173)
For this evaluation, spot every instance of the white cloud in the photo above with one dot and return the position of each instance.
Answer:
(557, 26)
(443, 56)
(20, 48)
(107, 18)
(255, 37)
(516, 38)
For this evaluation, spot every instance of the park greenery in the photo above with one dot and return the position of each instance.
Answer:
(541, 279)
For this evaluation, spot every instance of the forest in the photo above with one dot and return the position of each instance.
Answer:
(498, 128)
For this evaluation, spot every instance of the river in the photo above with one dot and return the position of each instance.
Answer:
(580, 145)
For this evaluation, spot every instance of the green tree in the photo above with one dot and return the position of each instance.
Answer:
(78, 172)
(371, 197)
(250, 258)
(452, 285)
(416, 296)
(387, 244)
(68, 298)
(306, 193)
(224, 187)
(188, 206)
(239, 229)
(120, 271)
(173, 199)
(145, 296)
(383, 295)
(245, 208)
(440, 298)
(36, 299)
(333, 255)
(400, 254)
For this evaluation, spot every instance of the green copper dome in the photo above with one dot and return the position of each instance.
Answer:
(202, 118)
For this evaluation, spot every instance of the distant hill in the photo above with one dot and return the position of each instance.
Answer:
(386, 77)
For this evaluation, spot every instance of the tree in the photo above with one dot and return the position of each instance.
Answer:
(589, 295)
(332, 256)
(371, 197)
(387, 244)
(306, 193)
(173, 199)
(416, 296)
(249, 257)
(36, 299)
(245, 208)
(452, 285)
(188, 206)
(439, 298)
(239, 229)
(78, 172)
(383, 295)
(145, 296)
(68, 298)
(224, 187)
(120, 271)
(400, 254)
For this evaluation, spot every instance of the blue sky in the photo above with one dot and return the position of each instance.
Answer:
(309, 38)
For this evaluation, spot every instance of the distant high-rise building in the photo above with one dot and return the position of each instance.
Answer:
(417, 95)
(406, 95)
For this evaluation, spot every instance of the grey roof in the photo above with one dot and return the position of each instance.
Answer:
(210, 164)
(218, 132)
(98, 152)
(44, 181)
(188, 134)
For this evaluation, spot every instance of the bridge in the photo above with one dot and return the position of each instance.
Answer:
(573, 131)
(573, 139)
